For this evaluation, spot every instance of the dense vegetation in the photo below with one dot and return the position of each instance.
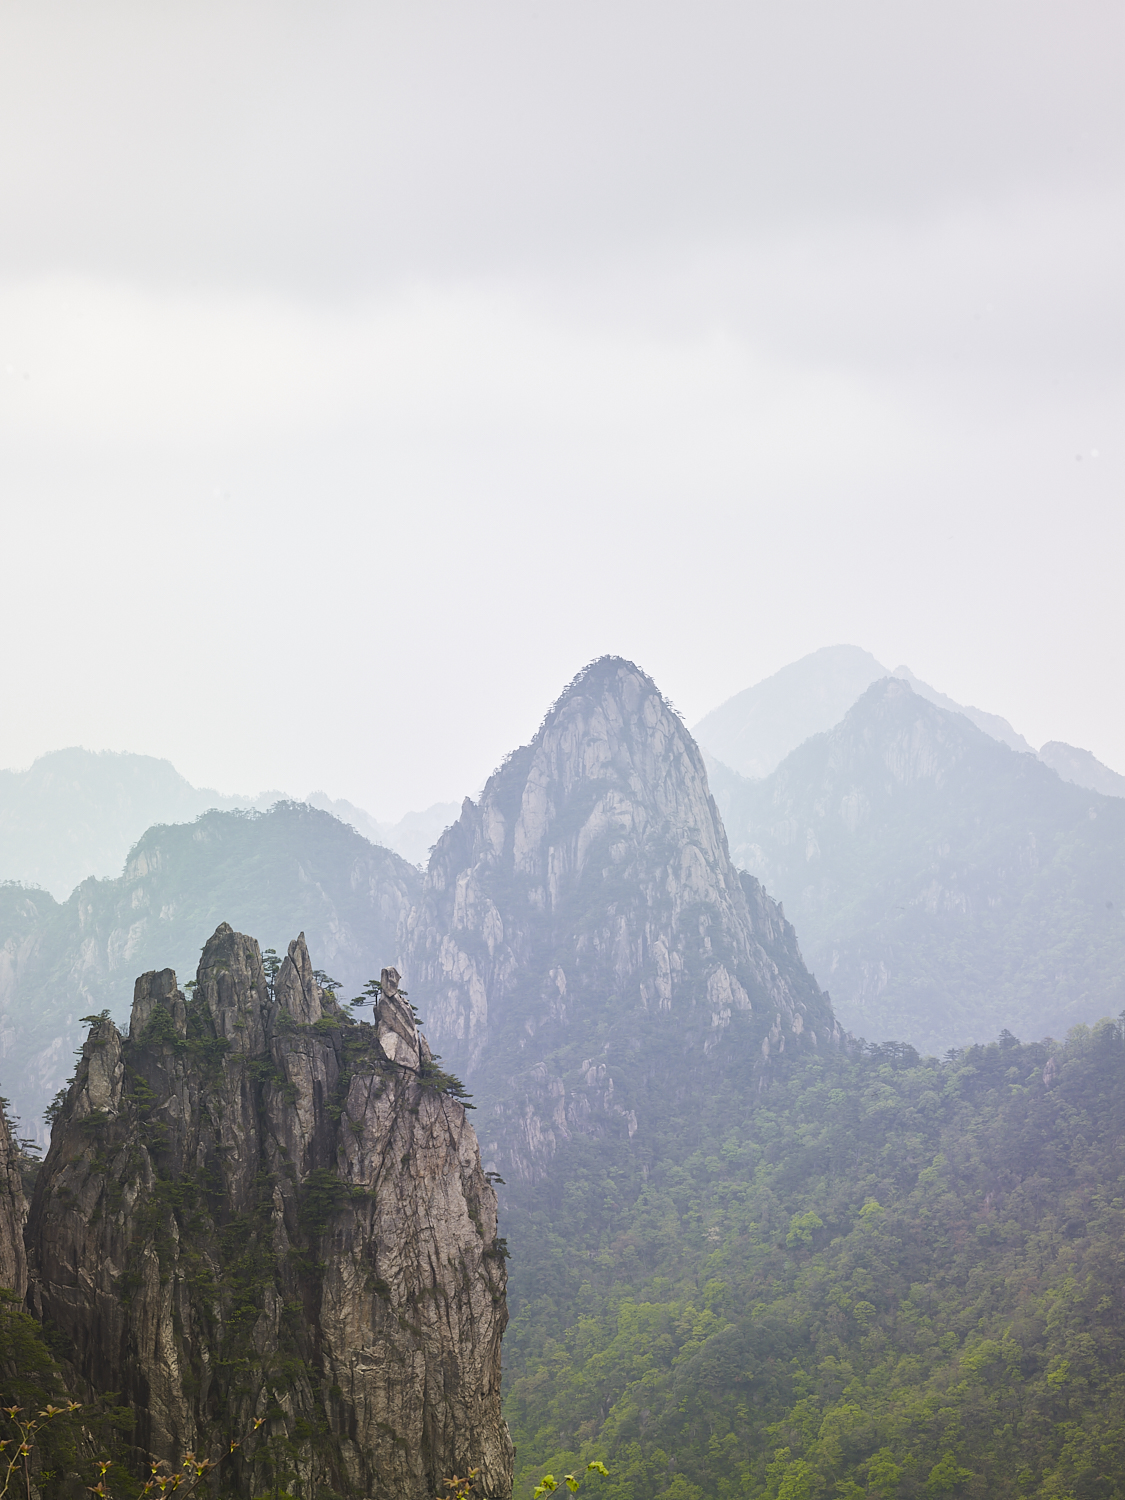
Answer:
(883, 1275)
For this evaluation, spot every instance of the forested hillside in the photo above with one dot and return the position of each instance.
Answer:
(884, 1275)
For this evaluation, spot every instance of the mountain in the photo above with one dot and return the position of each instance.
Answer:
(413, 836)
(583, 941)
(76, 813)
(1082, 768)
(288, 869)
(754, 731)
(991, 724)
(265, 1226)
(944, 886)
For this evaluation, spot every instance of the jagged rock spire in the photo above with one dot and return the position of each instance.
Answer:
(592, 884)
(248, 1212)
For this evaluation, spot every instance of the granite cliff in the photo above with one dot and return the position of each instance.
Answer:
(13, 1213)
(583, 931)
(266, 873)
(256, 1210)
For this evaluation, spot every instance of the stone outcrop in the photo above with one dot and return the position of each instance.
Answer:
(13, 1213)
(269, 874)
(256, 1211)
(588, 901)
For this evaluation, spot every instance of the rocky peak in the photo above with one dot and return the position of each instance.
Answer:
(254, 1209)
(593, 880)
(398, 1035)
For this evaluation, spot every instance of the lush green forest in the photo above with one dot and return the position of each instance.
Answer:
(881, 1275)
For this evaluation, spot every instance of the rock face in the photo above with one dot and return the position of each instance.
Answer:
(588, 904)
(250, 1213)
(268, 873)
(13, 1213)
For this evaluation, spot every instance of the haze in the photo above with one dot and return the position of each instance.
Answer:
(366, 370)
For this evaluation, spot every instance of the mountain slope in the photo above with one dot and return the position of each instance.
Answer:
(944, 886)
(76, 813)
(290, 869)
(413, 836)
(1082, 768)
(887, 1277)
(754, 731)
(582, 931)
(993, 725)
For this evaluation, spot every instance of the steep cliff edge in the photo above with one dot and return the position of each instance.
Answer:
(585, 915)
(253, 1208)
(13, 1213)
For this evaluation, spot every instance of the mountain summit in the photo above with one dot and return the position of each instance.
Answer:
(945, 885)
(754, 731)
(587, 907)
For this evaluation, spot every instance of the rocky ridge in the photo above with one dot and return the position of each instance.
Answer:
(268, 873)
(588, 905)
(256, 1210)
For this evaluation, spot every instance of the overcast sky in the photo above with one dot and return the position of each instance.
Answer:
(367, 369)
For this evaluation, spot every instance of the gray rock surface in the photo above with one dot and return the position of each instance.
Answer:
(250, 1213)
(588, 905)
(13, 1214)
(268, 873)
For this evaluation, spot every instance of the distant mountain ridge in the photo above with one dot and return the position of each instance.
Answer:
(1082, 768)
(754, 731)
(76, 813)
(943, 887)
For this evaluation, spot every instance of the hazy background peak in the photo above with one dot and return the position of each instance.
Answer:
(363, 370)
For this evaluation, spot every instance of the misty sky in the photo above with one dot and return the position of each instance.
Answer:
(367, 369)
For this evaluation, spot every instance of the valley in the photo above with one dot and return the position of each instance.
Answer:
(775, 1230)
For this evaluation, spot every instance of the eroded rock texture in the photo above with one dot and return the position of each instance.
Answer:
(586, 911)
(13, 1212)
(250, 1211)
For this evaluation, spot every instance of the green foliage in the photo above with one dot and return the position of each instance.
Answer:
(549, 1484)
(40, 1427)
(883, 1275)
(434, 1077)
(271, 965)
